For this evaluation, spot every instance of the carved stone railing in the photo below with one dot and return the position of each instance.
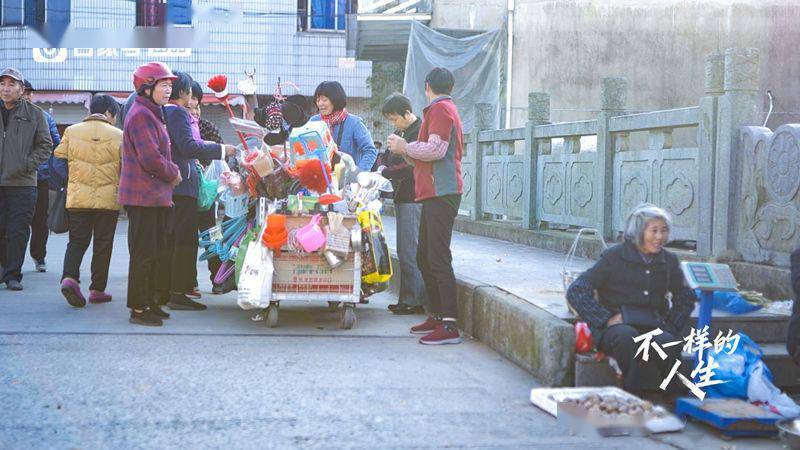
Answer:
(684, 160)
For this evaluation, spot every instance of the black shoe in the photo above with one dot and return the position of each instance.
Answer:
(146, 318)
(158, 312)
(14, 285)
(394, 306)
(405, 310)
(217, 289)
(180, 302)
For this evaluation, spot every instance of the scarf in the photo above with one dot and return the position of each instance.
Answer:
(335, 118)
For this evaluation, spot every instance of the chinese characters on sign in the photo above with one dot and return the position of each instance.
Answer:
(60, 55)
(696, 343)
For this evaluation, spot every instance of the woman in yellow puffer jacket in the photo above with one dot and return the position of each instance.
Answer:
(91, 149)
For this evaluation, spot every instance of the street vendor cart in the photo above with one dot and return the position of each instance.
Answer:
(308, 277)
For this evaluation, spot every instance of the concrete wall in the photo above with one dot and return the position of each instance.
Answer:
(566, 47)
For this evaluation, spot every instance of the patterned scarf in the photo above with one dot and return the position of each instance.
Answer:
(335, 118)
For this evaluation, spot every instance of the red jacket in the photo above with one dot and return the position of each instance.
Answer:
(441, 176)
(147, 168)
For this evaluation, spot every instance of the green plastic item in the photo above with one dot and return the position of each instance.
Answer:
(243, 244)
(206, 191)
(309, 201)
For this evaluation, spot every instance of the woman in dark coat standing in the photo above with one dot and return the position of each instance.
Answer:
(640, 287)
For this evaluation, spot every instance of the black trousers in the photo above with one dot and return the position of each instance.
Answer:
(182, 244)
(434, 259)
(147, 241)
(39, 231)
(85, 225)
(17, 205)
(617, 342)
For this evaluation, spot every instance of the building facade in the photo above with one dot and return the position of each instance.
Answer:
(299, 41)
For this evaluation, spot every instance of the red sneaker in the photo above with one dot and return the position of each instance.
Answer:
(442, 335)
(195, 293)
(426, 327)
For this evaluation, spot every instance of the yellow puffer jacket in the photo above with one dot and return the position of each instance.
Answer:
(92, 150)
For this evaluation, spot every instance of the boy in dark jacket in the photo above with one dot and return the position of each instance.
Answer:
(397, 109)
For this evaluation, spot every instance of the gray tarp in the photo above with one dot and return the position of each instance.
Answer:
(474, 60)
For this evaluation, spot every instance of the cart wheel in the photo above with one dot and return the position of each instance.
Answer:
(348, 317)
(333, 306)
(272, 315)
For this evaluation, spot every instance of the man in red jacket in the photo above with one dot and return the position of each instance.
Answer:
(436, 156)
(147, 178)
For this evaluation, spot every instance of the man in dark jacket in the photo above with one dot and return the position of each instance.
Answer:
(39, 231)
(436, 156)
(397, 109)
(25, 144)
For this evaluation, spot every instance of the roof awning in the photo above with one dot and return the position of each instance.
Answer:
(62, 97)
(208, 99)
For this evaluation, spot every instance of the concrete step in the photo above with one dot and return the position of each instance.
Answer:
(589, 372)
(760, 326)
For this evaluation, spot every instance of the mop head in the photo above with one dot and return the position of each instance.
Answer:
(309, 173)
(219, 84)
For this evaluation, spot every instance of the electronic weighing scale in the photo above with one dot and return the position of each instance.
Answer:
(733, 417)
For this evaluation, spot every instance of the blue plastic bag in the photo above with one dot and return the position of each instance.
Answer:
(731, 302)
(735, 369)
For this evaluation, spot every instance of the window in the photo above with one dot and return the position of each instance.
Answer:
(12, 12)
(34, 12)
(156, 13)
(179, 12)
(324, 14)
(150, 13)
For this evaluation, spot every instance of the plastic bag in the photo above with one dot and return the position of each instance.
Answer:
(376, 262)
(761, 391)
(583, 338)
(206, 191)
(215, 169)
(240, 255)
(731, 302)
(256, 274)
(735, 369)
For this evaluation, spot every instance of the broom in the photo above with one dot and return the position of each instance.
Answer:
(219, 84)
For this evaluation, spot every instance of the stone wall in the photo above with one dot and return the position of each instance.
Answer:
(566, 47)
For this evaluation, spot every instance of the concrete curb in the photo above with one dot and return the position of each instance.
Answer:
(525, 334)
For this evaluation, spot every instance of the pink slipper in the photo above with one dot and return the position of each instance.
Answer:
(71, 290)
(99, 297)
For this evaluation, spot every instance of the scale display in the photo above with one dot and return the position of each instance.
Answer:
(709, 277)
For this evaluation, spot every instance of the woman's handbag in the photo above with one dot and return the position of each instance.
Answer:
(58, 217)
(641, 317)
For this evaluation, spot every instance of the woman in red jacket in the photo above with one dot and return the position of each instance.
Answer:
(147, 178)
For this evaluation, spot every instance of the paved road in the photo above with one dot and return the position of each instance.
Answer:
(86, 379)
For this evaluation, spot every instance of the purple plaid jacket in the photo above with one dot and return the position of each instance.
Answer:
(147, 167)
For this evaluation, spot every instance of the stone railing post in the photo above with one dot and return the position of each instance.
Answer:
(738, 107)
(484, 118)
(613, 95)
(707, 145)
(538, 114)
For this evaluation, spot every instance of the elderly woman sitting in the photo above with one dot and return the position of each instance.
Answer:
(639, 288)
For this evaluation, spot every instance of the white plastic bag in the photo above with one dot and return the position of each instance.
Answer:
(760, 389)
(257, 272)
(215, 169)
